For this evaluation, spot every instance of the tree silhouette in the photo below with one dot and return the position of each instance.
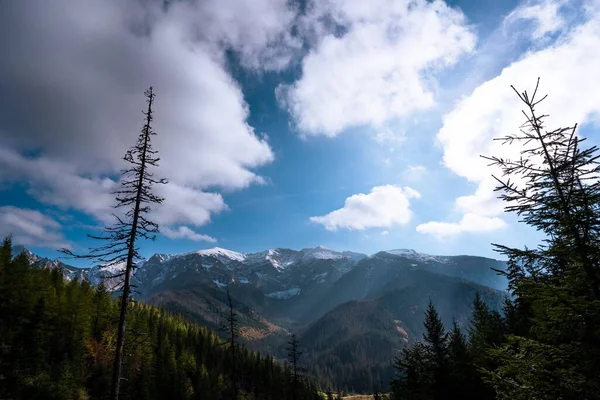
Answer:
(231, 328)
(294, 354)
(135, 195)
(553, 345)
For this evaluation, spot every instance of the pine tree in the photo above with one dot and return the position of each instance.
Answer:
(135, 195)
(294, 354)
(553, 349)
(465, 380)
(231, 330)
(422, 370)
(436, 351)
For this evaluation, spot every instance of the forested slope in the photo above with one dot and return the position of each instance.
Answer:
(57, 341)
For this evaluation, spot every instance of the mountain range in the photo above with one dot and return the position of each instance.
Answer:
(352, 312)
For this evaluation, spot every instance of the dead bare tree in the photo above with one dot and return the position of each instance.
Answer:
(135, 195)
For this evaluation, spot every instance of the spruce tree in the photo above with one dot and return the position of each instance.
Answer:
(134, 195)
(231, 330)
(422, 370)
(553, 350)
(293, 355)
(436, 351)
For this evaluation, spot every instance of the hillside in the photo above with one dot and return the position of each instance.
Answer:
(355, 343)
(57, 342)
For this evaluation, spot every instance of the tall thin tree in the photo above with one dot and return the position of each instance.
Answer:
(135, 196)
(294, 354)
(231, 328)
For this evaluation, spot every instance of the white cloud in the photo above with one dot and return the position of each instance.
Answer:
(259, 30)
(31, 228)
(383, 207)
(414, 173)
(381, 67)
(58, 184)
(484, 201)
(183, 232)
(187, 205)
(384, 233)
(493, 110)
(544, 14)
(79, 110)
(470, 223)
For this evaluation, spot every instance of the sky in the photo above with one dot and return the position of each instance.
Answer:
(355, 125)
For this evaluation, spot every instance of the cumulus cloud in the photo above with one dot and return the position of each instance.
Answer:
(72, 82)
(383, 207)
(372, 61)
(260, 31)
(183, 232)
(469, 223)
(31, 228)
(493, 110)
(187, 205)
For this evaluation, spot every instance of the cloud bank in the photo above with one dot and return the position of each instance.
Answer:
(372, 61)
(567, 68)
(72, 82)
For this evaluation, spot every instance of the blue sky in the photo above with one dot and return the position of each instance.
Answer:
(349, 124)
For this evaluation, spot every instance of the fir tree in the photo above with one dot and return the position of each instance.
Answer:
(231, 329)
(423, 368)
(436, 351)
(553, 349)
(294, 354)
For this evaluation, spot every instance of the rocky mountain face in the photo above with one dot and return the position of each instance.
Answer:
(352, 311)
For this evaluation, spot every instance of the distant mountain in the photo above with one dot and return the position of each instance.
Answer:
(352, 312)
(354, 344)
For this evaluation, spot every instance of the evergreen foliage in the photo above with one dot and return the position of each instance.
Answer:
(296, 371)
(546, 345)
(552, 347)
(57, 341)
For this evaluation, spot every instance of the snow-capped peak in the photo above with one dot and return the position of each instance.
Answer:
(114, 268)
(161, 258)
(324, 253)
(218, 251)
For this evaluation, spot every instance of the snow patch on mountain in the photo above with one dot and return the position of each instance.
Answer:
(320, 278)
(114, 269)
(320, 253)
(219, 283)
(414, 255)
(284, 294)
(161, 258)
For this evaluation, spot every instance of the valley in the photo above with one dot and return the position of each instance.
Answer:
(352, 312)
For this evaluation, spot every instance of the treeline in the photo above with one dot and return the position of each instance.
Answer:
(445, 363)
(547, 344)
(57, 341)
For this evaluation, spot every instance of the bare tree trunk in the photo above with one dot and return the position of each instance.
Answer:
(116, 378)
